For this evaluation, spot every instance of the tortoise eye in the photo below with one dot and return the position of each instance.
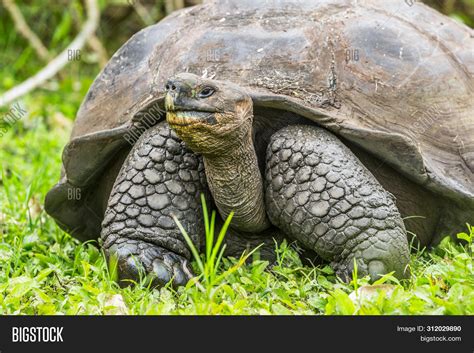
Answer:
(206, 92)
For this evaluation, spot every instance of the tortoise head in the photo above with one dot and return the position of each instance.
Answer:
(210, 116)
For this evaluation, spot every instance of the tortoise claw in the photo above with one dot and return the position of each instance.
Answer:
(137, 260)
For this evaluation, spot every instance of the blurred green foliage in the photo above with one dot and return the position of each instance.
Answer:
(461, 10)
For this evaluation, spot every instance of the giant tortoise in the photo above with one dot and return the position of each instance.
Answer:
(346, 126)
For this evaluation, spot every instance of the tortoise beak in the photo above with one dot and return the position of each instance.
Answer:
(169, 102)
(176, 91)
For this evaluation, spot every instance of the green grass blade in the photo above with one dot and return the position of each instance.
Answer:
(205, 213)
(235, 267)
(219, 258)
(210, 239)
(189, 241)
(221, 236)
(208, 228)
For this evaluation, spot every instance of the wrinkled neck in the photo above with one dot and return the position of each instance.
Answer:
(236, 184)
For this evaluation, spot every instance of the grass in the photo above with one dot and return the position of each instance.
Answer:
(45, 271)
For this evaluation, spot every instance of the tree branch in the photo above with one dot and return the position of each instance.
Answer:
(142, 13)
(172, 5)
(55, 65)
(25, 31)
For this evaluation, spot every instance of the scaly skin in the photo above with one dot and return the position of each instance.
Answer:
(317, 191)
(320, 194)
(220, 129)
(237, 185)
(160, 177)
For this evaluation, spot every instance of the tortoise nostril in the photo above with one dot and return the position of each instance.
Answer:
(170, 86)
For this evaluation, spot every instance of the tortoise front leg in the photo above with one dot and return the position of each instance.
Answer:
(159, 178)
(320, 194)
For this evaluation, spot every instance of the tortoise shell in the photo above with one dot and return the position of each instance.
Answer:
(393, 78)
